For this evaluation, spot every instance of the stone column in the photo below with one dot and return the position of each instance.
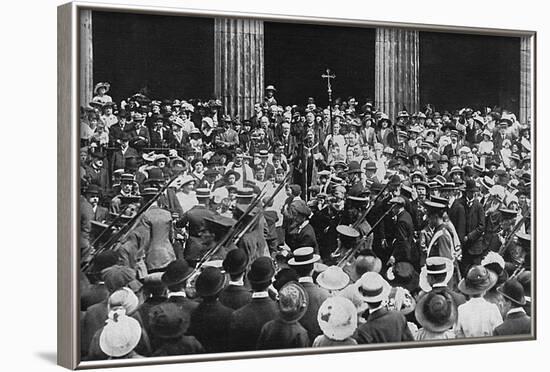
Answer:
(525, 80)
(239, 64)
(86, 58)
(396, 70)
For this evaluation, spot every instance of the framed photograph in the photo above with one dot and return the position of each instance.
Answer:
(235, 185)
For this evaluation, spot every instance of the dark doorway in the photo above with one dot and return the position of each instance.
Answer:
(296, 55)
(170, 56)
(458, 70)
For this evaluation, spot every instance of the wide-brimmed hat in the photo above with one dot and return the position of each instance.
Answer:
(436, 311)
(337, 318)
(478, 280)
(261, 271)
(120, 335)
(270, 87)
(373, 288)
(303, 256)
(513, 291)
(210, 282)
(176, 272)
(235, 262)
(354, 167)
(293, 302)
(105, 85)
(168, 321)
(232, 172)
(333, 279)
(401, 300)
(347, 231)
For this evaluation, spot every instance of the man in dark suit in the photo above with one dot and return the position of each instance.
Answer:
(457, 215)
(247, 322)
(517, 322)
(302, 263)
(96, 173)
(382, 325)
(117, 130)
(118, 161)
(235, 295)
(300, 233)
(175, 279)
(210, 320)
(404, 231)
(473, 248)
(93, 193)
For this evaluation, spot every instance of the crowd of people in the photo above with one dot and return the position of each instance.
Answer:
(301, 226)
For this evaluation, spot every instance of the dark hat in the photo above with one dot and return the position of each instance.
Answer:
(300, 207)
(98, 155)
(443, 159)
(436, 311)
(284, 276)
(93, 189)
(395, 180)
(513, 291)
(508, 214)
(376, 187)
(235, 262)
(211, 172)
(354, 167)
(478, 280)
(371, 166)
(176, 272)
(434, 207)
(155, 174)
(117, 276)
(402, 274)
(168, 321)
(393, 163)
(293, 302)
(219, 222)
(210, 282)
(261, 271)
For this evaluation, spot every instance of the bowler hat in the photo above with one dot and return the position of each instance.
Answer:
(176, 272)
(293, 302)
(403, 274)
(168, 321)
(117, 276)
(210, 282)
(513, 291)
(235, 262)
(261, 271)
(477, 281)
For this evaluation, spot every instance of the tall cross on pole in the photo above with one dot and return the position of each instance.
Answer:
(329, 76)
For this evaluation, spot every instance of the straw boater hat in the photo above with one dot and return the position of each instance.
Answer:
(333, 279)
(293, 302)
(120, 335)
(337, 318)
(436, 311)
(373, 288)
(303, 256)
(435, 265)
(477, 281)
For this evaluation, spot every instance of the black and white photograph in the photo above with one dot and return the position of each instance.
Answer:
(254, 184)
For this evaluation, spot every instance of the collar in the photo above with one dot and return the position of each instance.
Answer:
(305, 279)
(237, 283)
(515, 310)
(262, 294)
(177, 294)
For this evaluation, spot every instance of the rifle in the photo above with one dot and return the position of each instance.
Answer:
(128, 226)
(352, 251)
(509, 239)
(367, 211)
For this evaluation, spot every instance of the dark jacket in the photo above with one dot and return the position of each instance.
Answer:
(235, 296)
(475, 226)
(316, 296)
(247, 322)
(302, 238)
(119, 159)
(279, 334)
(185, 345)
(457, 215)
(402, 245)
(514, 324)
(383, 326)
(210, 325)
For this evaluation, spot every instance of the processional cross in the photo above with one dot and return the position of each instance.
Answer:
(329, 76)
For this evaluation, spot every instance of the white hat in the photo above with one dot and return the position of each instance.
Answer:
(373, 288)
(120, 335)
(435, 265)
(337, 318)
(333, 278)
